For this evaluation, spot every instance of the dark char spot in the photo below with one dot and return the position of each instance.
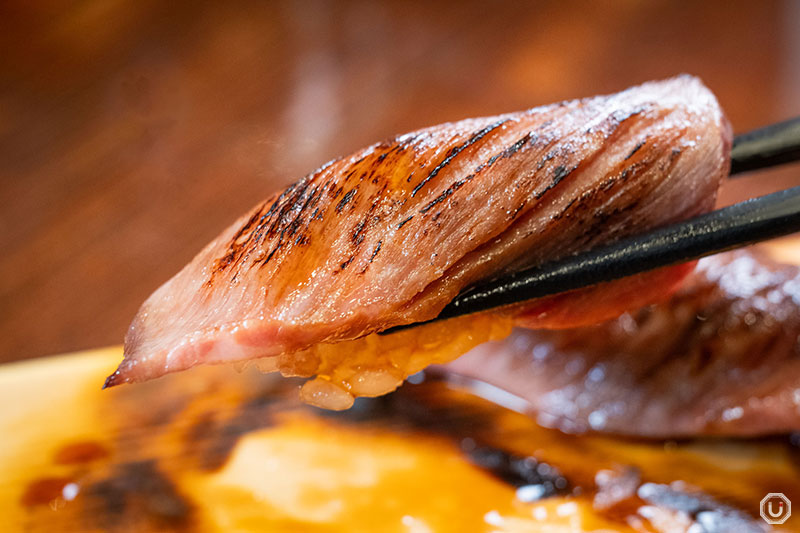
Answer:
(507, 152)
(635, 149)
(271, 253)
(517, 211)
(358, 233)
(559, 173)
(213, 435)
(44, 490)
(80, 452)
(403, 223)
(517, 471)
(375, 252)
(137, 496)
(447, 192)
(344, 201)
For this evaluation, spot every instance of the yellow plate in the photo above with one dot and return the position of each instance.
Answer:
(216, 450)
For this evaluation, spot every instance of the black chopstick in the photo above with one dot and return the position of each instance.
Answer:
(738, 225)
(771, 145)
(732, 227)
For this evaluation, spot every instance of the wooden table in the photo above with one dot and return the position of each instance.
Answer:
(132, 131)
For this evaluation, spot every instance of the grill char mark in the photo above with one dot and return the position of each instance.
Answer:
(404, 222)
(345, 200)
(453, 153)
(635, 149)
(503, 154)
(610, 128)
(296, 200)
(286, 217)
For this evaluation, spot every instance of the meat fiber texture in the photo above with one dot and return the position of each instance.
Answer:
(720, 357)
(389, 235)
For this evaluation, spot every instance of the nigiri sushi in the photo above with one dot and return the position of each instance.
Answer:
(389, 235)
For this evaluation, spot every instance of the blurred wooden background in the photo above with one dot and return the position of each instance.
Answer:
(132, 131)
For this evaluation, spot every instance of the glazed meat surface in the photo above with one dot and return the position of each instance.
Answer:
(390, 234)
(720, 357)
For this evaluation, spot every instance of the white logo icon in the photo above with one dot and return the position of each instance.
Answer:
(775, 508)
